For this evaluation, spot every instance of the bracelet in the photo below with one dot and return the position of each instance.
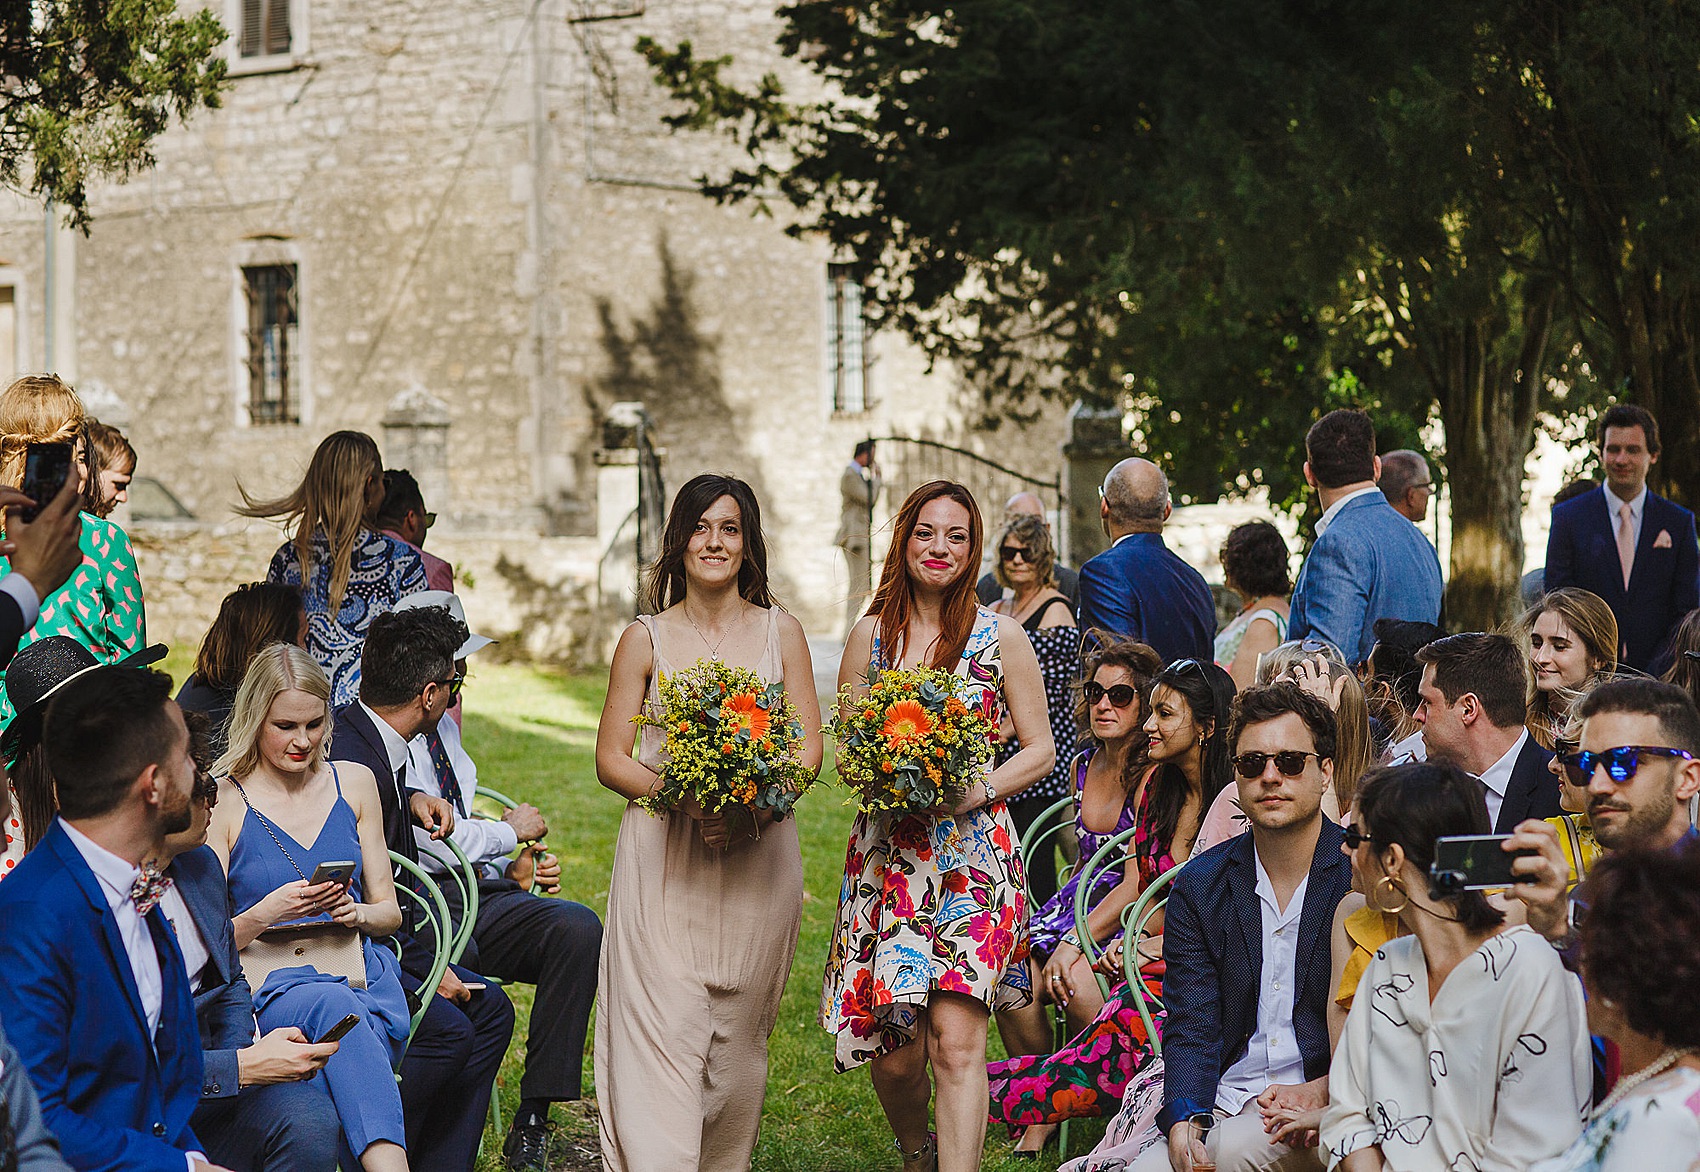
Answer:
(1072, 940)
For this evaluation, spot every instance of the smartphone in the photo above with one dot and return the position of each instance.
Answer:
(1473, 862)
(46, 468)
(337, 872)
(475, 985)
(336, 1032)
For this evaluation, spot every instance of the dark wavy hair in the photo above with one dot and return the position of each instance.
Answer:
(1254, 560)
(1413, 805)
(1209, 694)
(1140, 662)
(252, 617)
(666, 583)
(1641, 940)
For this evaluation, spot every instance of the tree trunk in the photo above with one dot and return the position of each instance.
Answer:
(1661, 358)
(1488, 404)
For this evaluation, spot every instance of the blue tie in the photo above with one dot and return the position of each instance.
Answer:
(447, 783)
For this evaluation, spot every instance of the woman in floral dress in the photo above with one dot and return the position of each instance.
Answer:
(929, 940)
(100, 604)
(347, 571)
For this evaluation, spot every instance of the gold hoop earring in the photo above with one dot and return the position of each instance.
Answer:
(1394, 883)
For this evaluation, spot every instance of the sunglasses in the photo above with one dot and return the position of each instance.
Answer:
(1121, 695)
(1356, 838)
(1288, 763)
(1015, 553)
(1620, 763)
(453, 684)
(1181, 665)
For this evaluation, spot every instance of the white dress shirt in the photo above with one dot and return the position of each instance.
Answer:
(189, 940)
(484, 840)
(116, 876)
(1497, 776)
(1273, 1054)
(1637, 508)
(394, 748)
(23, 593)
(1408, 750)
(1333, 510)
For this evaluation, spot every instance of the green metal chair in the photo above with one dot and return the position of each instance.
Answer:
(1113, 853)
(1135, 920)
(1042, 833)
(507, 803)
(429, 907)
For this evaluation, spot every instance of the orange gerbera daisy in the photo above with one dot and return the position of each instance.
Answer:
(906, 719)
(742, 711)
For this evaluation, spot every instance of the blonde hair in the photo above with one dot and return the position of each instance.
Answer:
(1354, 747)
(282, 667)
(36, 409)
(1591, 620)
(332, 496)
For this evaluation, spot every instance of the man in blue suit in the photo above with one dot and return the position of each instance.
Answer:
(1138, 588)
(1633, 548)
(1246, 938)
(95, 995)
(1368, 562)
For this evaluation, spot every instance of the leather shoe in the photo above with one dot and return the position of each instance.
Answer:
(527, 1148)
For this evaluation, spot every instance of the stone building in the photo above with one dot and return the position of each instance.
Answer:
(463, 228)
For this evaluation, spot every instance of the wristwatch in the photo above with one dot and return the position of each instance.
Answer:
(991, 794)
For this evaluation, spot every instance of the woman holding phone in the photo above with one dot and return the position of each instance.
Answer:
(276, 792)
(100, 604)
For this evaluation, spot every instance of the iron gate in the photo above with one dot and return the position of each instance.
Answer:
(906, 463)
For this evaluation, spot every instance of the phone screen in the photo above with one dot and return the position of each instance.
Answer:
(46, 468)
(1479, 860)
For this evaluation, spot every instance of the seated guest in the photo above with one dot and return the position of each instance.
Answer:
(1026, 568)
(403, 516)
(251, 617)
(1684, 670)
(1467, 1046)
(1111, 784)
(1641, 963)
(1391, 688)
(25, 1142)
(36, 675)
(261, 1108)
(551, 943)
(1640, 764)
(1247, 1009)
(408, 678)
(347, 571)
(1571, 637)
(1254, 566)
(1575, 832)
(112, 465)
(1475, 694)
(96, 997)
(276, 792)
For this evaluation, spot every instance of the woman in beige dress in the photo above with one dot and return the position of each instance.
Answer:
(703, 910)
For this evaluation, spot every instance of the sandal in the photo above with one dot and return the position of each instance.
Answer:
(928, 1152)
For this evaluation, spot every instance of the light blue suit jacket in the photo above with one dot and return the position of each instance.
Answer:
(1370, 563)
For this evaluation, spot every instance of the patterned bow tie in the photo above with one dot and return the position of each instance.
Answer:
(149, 888)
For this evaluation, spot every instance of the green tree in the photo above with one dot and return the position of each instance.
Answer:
(1242, 215)
(91, 83)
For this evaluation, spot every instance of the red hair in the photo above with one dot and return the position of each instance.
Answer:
(895, 596)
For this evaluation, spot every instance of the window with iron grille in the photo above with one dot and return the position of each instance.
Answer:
(265, 28)
(847, 355)
(272, 360)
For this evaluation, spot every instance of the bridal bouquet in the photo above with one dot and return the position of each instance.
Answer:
(732, 740)
(910, 744)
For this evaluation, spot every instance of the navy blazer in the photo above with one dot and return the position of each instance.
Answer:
(1532, 791)
(225, 1005)
(1213, 944)
(357, 739)
(117, 1101)
(1664, 581)
(1370, 563)
(1139, 589)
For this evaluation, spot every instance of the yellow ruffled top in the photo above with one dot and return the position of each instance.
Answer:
(1368, 929)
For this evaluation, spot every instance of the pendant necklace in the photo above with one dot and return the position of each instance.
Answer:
(714, 647)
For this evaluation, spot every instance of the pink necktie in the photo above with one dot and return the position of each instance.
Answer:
(1625, 541)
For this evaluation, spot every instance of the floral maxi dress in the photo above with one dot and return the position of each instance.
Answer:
(927, 903)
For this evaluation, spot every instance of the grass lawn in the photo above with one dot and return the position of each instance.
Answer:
(532, 733)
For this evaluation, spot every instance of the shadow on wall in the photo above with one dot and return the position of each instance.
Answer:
(557, 621)
(665, 360)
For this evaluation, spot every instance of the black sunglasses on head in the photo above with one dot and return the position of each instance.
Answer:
(1288, 763)
(1356, 838)
(1620, 763)
(1121, 695)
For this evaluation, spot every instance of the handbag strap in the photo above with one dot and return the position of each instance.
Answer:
(266, 825)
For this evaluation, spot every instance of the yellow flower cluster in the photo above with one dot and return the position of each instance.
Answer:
(732, 740)
(907, 742)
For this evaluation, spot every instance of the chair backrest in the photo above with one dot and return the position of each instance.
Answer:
(464, 874)
(1140, 913)
(429, 904)
(1041, 833)
(1112, 854)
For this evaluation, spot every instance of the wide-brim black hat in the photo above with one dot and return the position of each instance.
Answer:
(41, 669)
